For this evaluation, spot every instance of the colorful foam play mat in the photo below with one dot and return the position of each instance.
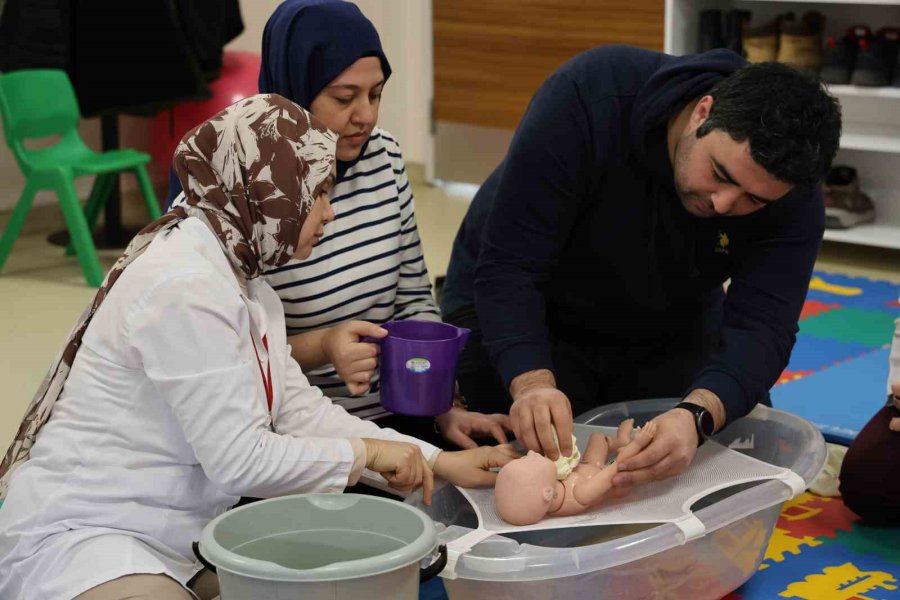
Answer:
(837, 375)
(819, 551)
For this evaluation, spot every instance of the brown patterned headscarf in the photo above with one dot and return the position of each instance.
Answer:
(252, 174)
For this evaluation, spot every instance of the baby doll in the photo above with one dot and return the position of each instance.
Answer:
(527, 488)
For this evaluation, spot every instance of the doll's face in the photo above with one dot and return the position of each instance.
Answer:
(525, 489)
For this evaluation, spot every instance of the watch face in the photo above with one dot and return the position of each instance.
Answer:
(706, 422)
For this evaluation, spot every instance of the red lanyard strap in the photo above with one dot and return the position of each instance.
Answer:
(266, 377)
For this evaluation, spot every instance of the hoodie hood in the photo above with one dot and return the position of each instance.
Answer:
(679, 81)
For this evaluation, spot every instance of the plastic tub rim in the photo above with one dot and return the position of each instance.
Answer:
(263, 570)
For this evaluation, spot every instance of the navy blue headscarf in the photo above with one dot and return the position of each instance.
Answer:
(306, 45)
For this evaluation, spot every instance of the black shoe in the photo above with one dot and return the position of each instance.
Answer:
(889, 42)
(838, 60)
(710, 30)
(895, 81)
(734, 24)
(871, 68)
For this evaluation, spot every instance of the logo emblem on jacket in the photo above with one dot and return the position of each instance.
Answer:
(722, 247)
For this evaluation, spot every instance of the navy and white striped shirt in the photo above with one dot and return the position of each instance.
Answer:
(369, 264)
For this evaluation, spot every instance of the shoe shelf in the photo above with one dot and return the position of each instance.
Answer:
(870, 142)
(856, 91)
(871, 234)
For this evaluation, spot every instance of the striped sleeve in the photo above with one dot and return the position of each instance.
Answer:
(414, 299)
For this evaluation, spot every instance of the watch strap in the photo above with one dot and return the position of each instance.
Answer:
(699, 412)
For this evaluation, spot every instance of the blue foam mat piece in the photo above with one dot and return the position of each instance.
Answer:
(839, 400)
(433, 590)
(813, 353)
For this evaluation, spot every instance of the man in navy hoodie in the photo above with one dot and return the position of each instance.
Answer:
(591, 263)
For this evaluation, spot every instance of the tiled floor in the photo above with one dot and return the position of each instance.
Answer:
(42, 292)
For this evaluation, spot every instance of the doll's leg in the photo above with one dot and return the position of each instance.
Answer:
(641, 440)
(597, 450)
(623, 436)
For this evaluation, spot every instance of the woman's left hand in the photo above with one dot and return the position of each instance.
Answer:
(471, 468)
(458, 425)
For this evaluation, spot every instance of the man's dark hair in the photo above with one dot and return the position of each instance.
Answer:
(793, 124)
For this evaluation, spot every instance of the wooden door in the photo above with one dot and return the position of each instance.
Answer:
(491, 55)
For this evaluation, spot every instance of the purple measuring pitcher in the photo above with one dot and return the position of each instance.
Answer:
(418, 366)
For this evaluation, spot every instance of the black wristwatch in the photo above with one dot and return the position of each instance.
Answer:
(703, 420)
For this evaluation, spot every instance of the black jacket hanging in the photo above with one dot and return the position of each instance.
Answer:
(35, 34)
(136, 57)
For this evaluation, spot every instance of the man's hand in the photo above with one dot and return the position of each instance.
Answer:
(537, 408)
(458, 425)
(401, 464)
(354, 361)
(674, 445)
(471, 468)
(671, 451)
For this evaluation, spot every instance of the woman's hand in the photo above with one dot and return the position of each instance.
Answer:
(401, 464)
(458, 425)
(354, 361)
(471, 468)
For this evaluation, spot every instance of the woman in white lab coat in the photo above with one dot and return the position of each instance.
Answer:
(176, 393)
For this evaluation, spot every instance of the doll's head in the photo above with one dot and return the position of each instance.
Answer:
(525, 489)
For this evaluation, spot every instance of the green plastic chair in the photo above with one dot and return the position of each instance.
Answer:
(41, 103)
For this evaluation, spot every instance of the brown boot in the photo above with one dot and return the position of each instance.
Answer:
(845, 204)
(800, 43)
(761, 40)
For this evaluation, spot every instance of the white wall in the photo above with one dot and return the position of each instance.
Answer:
(405, 29)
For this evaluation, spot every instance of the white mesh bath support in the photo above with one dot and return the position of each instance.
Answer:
(715, 467)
